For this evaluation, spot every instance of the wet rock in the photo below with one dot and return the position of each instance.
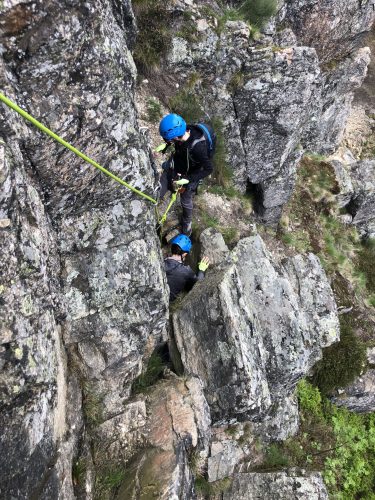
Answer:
(277, 485)
(253, 329)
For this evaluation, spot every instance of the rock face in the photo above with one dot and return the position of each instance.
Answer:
(82, 287)
(359, 396)
(178, 423)
(287, 92)
(357, 185)
(277, 485)
(253, 328)
(40, 399)
(83, 294)
(333, 28)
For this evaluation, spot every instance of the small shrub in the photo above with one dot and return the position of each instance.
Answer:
(230, 234)
(236, 81)
(79, 468)
(229, 15)
(222, 173)
(350, 471)
(186, 103)
(212, 489)
(309, 398)
(257, 12)
(274, 459)
(341, 362)
(188, 29)
(365, 263)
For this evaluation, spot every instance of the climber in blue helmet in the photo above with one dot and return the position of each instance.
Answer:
(191, 160)
(179, 276)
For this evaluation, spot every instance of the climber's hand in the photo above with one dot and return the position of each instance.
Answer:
(203, 264)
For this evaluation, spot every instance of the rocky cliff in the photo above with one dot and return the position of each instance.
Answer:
(83, 295)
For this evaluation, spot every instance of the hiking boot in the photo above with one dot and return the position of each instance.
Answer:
(186, 228)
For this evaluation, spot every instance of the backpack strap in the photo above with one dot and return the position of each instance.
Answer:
(206, 134)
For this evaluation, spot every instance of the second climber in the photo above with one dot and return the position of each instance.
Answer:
(192, 160)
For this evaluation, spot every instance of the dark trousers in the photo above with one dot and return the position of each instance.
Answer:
(186, 197)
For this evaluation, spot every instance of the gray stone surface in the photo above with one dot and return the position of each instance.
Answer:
(253, 328)
(277, 96)
(277, 486)
(82, 271)
(356, 180)
(334, 28)
(178, 423)
(360, 395)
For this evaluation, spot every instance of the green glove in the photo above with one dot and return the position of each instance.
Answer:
(162, 147)
(203, 265)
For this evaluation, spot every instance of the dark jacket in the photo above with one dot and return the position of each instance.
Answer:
(190, 158)
(180, 277)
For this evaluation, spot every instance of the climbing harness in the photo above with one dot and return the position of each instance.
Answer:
(180, 189)
(57, 138)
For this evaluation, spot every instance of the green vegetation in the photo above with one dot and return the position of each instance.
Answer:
(186, 104)
(257, 12)
(92, 405)
(339, 443)
(203, 487)
(365, 265)
(222, 172)
(341, 362)
(154, 111)
(311, 223)
(154, 36)
(108, 480)
(188, 29)
(79, 468)
(275, 458)
(152, 374)
(229, 15)
(237, 81)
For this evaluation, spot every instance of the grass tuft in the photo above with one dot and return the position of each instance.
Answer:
(154, 36)
(152, 374)
(258, 12)
(92, 405)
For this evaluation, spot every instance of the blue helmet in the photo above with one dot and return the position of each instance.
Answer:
(183, 241)
(172, 126)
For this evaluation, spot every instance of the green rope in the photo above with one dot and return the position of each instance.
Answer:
(49, 132)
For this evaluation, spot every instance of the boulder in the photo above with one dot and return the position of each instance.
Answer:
(356, 180)
(278, 486)
(253, 328)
